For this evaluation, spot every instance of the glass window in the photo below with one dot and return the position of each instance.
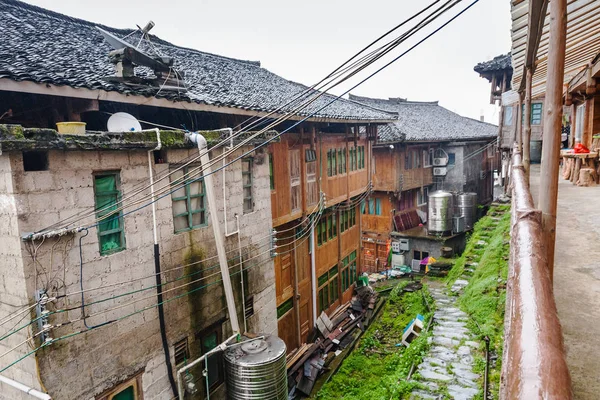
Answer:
(107, 196)
(210, 340)
(247, 184)
(378, 206)
(536, 113)
(579, 122)
(372, 206)
(329, 172)
(508, 115)
(188, 200)
(451, 158)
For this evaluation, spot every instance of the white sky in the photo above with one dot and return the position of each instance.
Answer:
(304, 40)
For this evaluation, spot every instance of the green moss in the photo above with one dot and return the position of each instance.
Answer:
(14, 132)
(377, 369)
(485, 296)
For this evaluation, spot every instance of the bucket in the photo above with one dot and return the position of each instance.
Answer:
(71, 128)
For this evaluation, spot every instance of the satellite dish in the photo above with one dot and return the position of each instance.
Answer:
(123, 122)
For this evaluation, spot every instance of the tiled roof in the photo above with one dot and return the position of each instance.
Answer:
(42, 46)
(426, 121)
(498, 63)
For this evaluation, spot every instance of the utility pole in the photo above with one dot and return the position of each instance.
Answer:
(527, 127)
(552, 126)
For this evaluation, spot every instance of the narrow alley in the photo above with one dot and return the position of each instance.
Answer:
(576, 276)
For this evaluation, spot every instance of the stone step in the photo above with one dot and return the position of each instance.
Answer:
(457, 392)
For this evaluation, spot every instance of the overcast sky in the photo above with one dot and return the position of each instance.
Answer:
(304, 40)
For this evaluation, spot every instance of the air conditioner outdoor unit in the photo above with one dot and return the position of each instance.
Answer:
(415, 265)
(440, 162)
(440, 171)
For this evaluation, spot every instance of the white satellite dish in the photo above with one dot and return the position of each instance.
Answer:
(123, 122)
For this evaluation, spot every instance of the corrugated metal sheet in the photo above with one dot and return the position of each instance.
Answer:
(583, 41)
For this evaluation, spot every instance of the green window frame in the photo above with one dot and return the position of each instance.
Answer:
(372, 206)
(285, 307)
(210, 339)
(329, 171)
(334, 166)
(377, 206)
(271, 172)
(188, 201)
(352, 267)
(247, 179)
(107, 195)
(536, 113)
(344, 163)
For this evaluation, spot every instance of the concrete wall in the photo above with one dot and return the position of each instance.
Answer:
(433, 246)
(86, 365)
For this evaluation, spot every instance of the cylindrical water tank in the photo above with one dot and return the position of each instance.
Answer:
(256, 370)
(466, 206)
(440, 215)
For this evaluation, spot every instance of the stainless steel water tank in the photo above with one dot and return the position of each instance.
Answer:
(256, 370)
(466, 206)
(440, 212)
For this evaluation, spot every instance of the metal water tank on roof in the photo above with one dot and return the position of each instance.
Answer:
(466, 206)
(256, 370)
(440, 212)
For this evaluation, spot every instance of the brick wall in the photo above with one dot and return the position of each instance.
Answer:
(90, 363)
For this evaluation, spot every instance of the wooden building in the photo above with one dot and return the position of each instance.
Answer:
(406, 168)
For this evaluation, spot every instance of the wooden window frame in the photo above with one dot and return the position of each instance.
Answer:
(284, 308)
(135, 380)
(328, 288)
(188, 199)
(537, 119)
(245, 199)
(118, 214)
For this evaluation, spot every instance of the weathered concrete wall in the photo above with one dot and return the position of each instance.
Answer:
(13, 293)
(90, 363)
(433, 246)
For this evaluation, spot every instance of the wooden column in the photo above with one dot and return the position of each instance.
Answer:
(552, 127)
(527, 127)
(519, 127)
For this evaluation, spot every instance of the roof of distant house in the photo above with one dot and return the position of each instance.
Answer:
(498, 63)
(49, 48)
(426, 122)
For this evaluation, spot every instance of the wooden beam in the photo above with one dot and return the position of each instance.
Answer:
(527, 124)
(552, 127)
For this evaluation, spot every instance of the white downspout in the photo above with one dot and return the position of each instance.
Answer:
(223, 168)
(23, 388)
(214, 220)
(151, 174)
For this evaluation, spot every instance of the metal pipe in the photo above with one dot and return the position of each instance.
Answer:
(220, 347)
(223, 168)
(212, 207)
(24, 388)
(157, 270)
(237, 221)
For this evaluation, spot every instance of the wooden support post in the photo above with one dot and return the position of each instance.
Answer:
(519, 127)
(552, 127)
(527, 122)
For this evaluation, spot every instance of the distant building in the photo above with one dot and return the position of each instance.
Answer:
(428, 148)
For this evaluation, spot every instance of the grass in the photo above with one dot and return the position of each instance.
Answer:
(377, 369)
(485, 296)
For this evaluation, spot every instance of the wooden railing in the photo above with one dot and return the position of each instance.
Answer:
(534, 365)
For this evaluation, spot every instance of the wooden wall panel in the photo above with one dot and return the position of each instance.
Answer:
(387, 166)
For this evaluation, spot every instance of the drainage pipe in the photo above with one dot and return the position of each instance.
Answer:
(24, 388)
(157, 271)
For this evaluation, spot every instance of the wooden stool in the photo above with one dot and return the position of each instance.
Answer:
(587, 177)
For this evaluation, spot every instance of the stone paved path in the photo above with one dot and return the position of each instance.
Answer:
(450, 360)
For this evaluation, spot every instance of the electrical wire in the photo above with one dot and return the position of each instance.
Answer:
(273, 124)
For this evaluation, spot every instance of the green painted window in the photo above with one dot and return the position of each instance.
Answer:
(329, 170)
(285, 307)
(247, 184)
(126, 394)
(189, 203)
(378, 206)
(209, 340)
(536, 113)
(107, 195)
(372, 206)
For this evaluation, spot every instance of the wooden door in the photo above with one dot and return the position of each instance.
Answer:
(369, 256)
(304, 288)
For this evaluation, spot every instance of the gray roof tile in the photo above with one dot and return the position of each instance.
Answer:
(426, 121)
(46, 47)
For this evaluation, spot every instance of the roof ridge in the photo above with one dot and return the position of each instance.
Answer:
(125, 31)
